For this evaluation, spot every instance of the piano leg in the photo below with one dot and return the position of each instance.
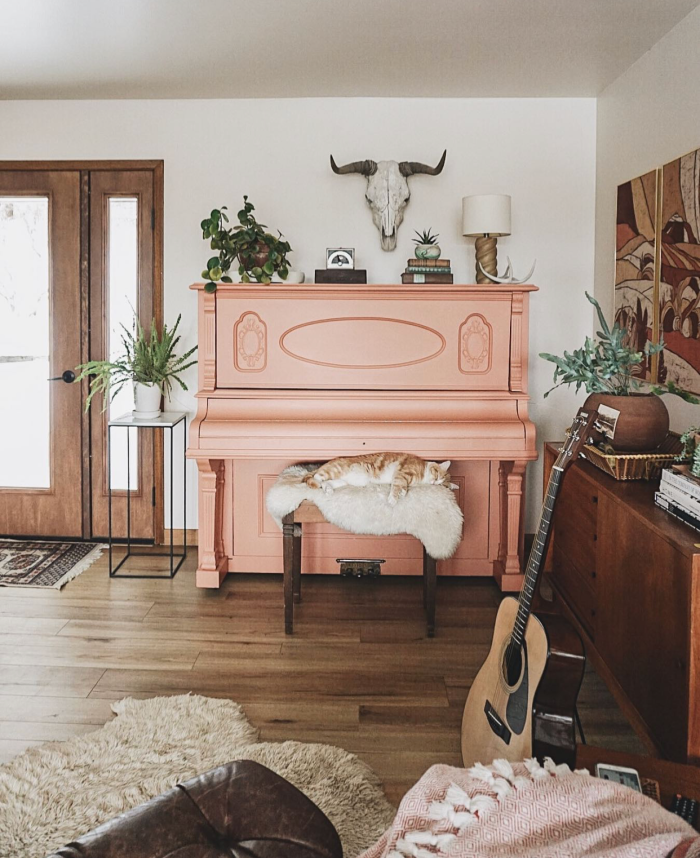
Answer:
(508, 569)
(212, 565)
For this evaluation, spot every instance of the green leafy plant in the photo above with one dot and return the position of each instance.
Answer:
(150, 359)
(426, 237)
(691, 449)
(260, 254)
(606, 365)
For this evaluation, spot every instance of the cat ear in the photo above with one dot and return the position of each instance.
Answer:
(445, 465)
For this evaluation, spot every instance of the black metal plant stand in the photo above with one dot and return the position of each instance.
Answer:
(166, 421)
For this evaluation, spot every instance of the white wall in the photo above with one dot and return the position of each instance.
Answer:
(646, 118)
(541, 151)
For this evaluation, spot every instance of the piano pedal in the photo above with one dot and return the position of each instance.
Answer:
(360, 568)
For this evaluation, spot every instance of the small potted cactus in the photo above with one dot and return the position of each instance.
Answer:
(426, 245)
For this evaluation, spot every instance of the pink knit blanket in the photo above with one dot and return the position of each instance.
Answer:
(529, 811)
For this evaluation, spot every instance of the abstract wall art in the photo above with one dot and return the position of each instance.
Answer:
(636, 261)
(678, 304)
(657, 268)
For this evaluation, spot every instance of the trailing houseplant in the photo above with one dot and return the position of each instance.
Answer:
(606, 368)
(260, 254)
(149, 361)
(426, 244)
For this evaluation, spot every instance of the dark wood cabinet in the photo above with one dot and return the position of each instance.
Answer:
(628, 575)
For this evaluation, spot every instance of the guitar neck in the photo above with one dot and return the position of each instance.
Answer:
(537, 555)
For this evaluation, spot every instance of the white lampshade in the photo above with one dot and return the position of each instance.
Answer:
(486, 214)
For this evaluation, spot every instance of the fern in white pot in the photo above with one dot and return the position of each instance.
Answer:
(149, 362)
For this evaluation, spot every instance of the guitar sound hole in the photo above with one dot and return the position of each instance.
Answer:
(512, 664)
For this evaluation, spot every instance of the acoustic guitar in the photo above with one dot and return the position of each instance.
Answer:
(523, 700)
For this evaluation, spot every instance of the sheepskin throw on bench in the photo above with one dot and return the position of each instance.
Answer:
(430, 513)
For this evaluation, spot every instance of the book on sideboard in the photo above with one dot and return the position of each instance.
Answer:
(429, 263)
(677, 511)
(410, 277)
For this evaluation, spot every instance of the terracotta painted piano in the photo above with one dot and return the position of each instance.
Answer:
(304, 373)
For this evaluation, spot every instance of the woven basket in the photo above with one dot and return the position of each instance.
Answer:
(636, 466)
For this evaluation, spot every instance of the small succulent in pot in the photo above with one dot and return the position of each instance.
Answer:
(606, 367)
(426, 244)
(260, 254)
(147, 360)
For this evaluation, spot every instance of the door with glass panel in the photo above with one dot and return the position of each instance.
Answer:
(121, 293)
(80, 248)
(41, 489)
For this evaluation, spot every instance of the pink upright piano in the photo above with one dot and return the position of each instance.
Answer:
(291, 373)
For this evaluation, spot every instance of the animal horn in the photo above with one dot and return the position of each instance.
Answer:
(508, 280)
(409, 168)
(367, 168)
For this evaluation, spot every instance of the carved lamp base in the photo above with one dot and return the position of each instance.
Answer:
(485, 246)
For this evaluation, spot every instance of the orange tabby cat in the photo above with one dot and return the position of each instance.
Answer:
(400, 470)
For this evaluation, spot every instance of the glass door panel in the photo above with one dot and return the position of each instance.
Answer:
(25, 438)
(122, 278)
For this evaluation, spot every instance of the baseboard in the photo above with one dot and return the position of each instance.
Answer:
(178, 536)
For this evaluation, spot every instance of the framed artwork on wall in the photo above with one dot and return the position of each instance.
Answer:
(637, 263)
(678, 301)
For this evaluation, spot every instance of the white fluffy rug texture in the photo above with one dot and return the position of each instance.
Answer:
(430, 513)
(52, 794)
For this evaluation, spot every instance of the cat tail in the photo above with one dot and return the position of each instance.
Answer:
(310, 481)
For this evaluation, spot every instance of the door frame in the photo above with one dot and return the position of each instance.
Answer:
(156, 167)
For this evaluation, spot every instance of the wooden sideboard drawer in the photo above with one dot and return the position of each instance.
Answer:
(576, 589)
(579, 547)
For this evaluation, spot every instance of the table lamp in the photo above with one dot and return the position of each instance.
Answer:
(486, 216)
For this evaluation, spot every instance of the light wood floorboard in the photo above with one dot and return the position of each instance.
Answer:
(359, 671)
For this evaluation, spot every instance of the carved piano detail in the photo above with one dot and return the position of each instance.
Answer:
(304, 373)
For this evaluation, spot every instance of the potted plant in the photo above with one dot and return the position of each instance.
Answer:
(606, 368)
(148, 361)
(260, 254)
(426, 245)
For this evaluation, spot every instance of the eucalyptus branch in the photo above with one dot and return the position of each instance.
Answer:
(606, 364)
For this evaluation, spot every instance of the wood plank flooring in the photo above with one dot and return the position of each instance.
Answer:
(358, 672)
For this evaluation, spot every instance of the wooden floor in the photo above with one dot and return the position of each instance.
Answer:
(358, 672)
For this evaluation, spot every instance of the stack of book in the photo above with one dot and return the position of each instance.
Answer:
(680, 495)
(427, 271)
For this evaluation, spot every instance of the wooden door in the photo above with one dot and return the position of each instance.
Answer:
(40, 338)
(122, 270)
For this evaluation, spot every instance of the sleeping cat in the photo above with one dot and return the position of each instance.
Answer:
(400, 470)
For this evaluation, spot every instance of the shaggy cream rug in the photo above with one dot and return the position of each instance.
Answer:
(430, 513)
(53, 793)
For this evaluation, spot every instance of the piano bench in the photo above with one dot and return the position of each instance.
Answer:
(292, 524)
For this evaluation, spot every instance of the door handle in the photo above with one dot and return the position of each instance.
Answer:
(67, 375)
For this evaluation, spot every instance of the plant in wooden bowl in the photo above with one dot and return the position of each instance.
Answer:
(609, 371)
(149, 361)
(260, 254)
(426, 245)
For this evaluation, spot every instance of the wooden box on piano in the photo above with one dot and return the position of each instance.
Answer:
(304, 373)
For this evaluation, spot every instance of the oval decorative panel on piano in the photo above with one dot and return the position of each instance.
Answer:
(320, 339)
(362, 342)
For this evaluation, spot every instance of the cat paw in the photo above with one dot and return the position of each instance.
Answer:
(392, 500)
(327, 488)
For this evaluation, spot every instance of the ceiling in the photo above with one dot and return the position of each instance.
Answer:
(297, 48)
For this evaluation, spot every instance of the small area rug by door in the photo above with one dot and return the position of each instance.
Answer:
(29, 563)
(55, 792)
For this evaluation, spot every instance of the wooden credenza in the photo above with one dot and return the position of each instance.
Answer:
(305, 373)
(628, 576)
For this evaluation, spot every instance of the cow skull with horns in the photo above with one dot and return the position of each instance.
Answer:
(387, 190)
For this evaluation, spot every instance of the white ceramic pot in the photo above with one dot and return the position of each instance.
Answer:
(146, 401)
